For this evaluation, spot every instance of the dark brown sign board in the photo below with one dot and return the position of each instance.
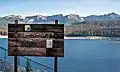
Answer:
(45, 40)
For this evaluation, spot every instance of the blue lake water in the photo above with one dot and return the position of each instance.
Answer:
(82, 56)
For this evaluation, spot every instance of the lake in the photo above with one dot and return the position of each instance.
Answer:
(82, 56)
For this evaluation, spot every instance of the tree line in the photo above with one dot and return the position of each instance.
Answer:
(94, 28)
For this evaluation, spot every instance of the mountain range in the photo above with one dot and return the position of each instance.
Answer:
(110, 16)
(68, 19)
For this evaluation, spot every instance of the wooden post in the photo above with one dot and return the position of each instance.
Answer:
(56, 64)
(56, 58)
(15, 63)
(15, 57)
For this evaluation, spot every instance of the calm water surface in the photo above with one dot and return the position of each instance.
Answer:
(82, 56)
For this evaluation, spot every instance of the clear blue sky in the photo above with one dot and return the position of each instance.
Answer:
(50, 7)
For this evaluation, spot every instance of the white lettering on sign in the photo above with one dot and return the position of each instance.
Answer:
(49, 43)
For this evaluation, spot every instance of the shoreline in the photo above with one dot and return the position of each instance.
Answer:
(94, 38)
(89, 37)
(84, 38)
(1, 36)
(75, 37)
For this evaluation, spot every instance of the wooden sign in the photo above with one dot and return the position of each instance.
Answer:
(36, 40)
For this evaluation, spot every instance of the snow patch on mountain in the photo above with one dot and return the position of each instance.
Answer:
(73, 18)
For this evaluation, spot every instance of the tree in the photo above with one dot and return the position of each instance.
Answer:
(28, 65)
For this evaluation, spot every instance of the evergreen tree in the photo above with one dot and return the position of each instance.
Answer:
(28, 64)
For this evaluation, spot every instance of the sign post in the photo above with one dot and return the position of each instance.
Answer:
(15, 57)
(56, 59)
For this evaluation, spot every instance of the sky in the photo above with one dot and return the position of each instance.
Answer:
(52, 7)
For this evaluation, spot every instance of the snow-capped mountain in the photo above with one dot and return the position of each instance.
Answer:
(36, 18)
(110, 16)
(68, 19)
(44, 19)
(3, 23)
(12, 18)
(73, 18)
(62, 19)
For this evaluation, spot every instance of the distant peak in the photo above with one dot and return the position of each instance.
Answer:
(113, 13)
(41, 16)
(73, 14)
(14, 16)
(58, 15)
(10, 16)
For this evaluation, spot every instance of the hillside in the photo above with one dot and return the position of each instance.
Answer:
(94, 28)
